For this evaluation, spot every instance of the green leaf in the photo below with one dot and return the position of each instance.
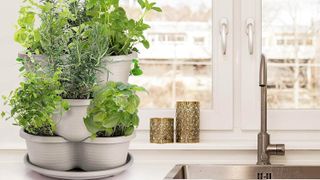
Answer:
(3, 114)
(90, 125)
(136, 72)
(122, 86)
(20, 60)
(145, 44)
(138, 88)
(65, 105)
(145, 27)
(157, 9)
(112, 121)
(133, 104)
(129, 131)
(135, 120)
(141, 3)
(21, 69)
(99, 117)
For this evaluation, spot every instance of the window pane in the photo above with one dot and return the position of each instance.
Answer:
(178, 64)
(291, 43)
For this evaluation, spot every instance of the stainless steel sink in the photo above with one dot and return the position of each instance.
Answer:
(243, 172)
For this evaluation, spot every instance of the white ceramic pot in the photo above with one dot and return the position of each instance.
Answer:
(70, 124)
(104, 153)
(116, 68)
(40, 58)
(50, 152)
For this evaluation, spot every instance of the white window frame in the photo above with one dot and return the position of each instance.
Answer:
(282, 119)
(220, 117)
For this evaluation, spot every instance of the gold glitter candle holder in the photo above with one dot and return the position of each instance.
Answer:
(161, 130)
(188, 122)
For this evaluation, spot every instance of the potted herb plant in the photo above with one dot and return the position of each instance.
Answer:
(112, 118)
(33, 104)
(91, 41)
(62, 40)
(123, 33)
(44, 43)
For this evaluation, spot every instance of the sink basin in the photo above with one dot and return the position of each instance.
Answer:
(243, 172)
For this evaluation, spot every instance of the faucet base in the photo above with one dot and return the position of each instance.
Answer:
(265, 149)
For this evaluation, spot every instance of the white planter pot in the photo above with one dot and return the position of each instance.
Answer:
(70, 124)
(40, 58)
(116, 68)
(104, 153)
(50, 152)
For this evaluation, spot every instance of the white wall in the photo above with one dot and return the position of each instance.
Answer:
(9, 74)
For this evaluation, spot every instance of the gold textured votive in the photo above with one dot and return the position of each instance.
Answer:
(161, 130)
(188, 122)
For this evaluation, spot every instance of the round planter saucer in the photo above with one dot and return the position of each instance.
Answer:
(78, 174)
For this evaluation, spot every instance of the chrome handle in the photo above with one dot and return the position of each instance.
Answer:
(250, 32)
(224, 33)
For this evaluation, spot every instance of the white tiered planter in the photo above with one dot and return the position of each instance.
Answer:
(50, 152)
(116, 68)
(104, 153)
(70, 124)
(56, 153)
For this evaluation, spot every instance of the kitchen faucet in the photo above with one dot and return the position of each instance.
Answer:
(265, 149)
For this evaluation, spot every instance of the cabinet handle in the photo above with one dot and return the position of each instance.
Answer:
(224, 33)
(250, 32)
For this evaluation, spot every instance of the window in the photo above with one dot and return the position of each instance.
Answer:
(182, 63)
(294, 69)
(293, 77)
(174, 67)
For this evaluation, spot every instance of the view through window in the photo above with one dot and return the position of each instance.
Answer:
(178, 64)
(291, 43)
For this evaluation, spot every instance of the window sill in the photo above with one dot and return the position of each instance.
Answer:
(221, 145)
(205, 145)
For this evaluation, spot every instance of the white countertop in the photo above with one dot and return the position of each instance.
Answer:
(139, 171)
(14, 169)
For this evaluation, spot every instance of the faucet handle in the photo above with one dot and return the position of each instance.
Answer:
(276, 149)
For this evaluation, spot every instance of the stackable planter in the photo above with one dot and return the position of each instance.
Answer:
(104, 153)
(50, 152)
(70, 124)
(116, 68)
(56, 153)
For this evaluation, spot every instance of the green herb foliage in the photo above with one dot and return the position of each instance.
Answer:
(51, 36)
(77, 35)
(124, 33)
(113, 110)
(34, 102)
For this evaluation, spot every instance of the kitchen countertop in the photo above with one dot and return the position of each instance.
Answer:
(139, 171)
(14, 169)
